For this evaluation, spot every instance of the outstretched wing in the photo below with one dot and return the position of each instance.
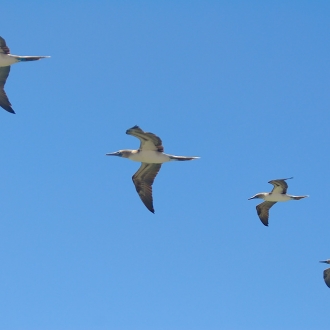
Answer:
(149, 141)
(326, 276)
(280, 186)
(3, 47)
(143, 180)
(4, 101)
(263, 211)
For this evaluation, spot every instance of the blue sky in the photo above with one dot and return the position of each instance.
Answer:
(245, 86)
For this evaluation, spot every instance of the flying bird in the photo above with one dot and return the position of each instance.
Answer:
(326, 273)
(278, 194)
(151, 155)
(6, 60)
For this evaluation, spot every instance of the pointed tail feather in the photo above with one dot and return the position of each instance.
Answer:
(181, 158)
(30, 58)
(296, 198)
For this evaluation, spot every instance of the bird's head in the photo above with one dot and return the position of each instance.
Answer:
(120, 153)
(260, 195)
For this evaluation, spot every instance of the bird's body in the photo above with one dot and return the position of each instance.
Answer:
(278, 194)
(269, 197)
(326, 273)
(151, 155)
(148, 156)
(6, 60)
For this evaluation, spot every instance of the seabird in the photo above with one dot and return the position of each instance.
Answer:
(151, 155)
(278, 194)
(6, 60)
(326, 273)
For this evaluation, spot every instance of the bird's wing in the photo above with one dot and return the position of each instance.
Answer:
(263, 211)
(143, 180)
(4, 102)
(280, 186)
(3, 47)
(326, 276)
(149, 141)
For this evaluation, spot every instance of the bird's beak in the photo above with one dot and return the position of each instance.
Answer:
(324, 261)
(117, 153)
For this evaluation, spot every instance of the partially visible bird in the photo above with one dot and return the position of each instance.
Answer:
(6, 60)
(278, 194)
(326, 273)
(151, 155)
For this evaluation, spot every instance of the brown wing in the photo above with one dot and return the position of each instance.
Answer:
(149, 141)
(280, 186)
(326, 276)
(4, 102)
(263, 211)
(3, 47)
(143, 180)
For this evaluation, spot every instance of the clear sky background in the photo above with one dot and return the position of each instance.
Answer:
(245, 86)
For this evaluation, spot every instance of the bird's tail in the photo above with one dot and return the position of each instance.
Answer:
(30, 58)
(181, 158)
(296, 198)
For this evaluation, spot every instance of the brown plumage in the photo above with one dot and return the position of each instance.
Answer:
(326, 273)
(278, 194)
(6, 60)
(4, 101)
(145, 176)
(145, 137)
(143, 180)
(263, 211)
(280, 186)
(326, 277)
(3, 47)
(151, 155)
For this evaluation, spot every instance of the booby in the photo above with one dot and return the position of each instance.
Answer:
(151, 155)
(326, 273)
(278, 194)
(6, 60)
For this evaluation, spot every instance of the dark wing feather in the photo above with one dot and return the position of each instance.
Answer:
(326, 276)
(263, 211)
(143, 180)
(280, 186)
(3, 47)
(4, 101)
(149, 141)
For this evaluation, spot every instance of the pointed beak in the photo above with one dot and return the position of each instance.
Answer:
(324, 261)
(117, 153)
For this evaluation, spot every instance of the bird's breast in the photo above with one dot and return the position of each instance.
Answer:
(277, 198)
(149, 156)
(6, 60)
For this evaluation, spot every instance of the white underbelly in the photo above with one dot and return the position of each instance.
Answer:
(6, 60)
(277, 198)
(150, 156)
